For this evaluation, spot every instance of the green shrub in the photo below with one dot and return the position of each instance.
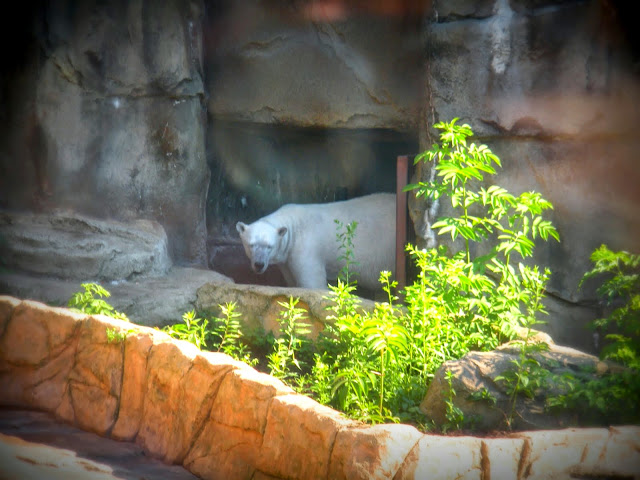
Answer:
(615, 394)
(218, 334)
(193, 329)
(87, 302)
(377, 366)
(283, 360)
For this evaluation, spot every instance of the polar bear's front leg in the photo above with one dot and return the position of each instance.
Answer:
(309, 273)
(288, 276)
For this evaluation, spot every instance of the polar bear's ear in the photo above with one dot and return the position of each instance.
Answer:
(241, 227)
(282, 231)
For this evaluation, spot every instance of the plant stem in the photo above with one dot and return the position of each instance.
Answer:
(382, 352)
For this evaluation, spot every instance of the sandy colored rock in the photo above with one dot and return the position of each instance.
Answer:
(36, 331)
(501, 457)
(136, 352)
(222, 452)
(37, 353)
(374, 452)
(163, 430)
(263, 476)
(443, 457)
(621, 454)
(7, 304)
(244, 398)
(299, 437)
(38, 387)
(580, 452)
(260, 308)
(95, 382)
(477, 371)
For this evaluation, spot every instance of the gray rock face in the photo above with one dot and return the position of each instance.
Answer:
(106, 119)
(155, 301)
(277, 65)
(550, 87)
(79, 247)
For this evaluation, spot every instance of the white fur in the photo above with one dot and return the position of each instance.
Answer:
(301, 240)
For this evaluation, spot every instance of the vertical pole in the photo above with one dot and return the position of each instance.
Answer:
(402, 174)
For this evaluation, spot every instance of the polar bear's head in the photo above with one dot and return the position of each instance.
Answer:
(262, 243)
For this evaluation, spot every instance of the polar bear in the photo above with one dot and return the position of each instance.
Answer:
(301, 240)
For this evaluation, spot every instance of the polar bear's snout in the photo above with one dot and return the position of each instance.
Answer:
(259, 263)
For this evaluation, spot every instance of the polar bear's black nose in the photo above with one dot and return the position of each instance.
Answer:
(258, 267)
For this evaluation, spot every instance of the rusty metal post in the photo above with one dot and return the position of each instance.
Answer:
(402, 174)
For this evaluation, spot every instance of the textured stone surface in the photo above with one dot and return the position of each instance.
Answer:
(259, 304)
(371, 452)
(477, 371)
(39, 344)
(347, 73)
(256, 390)
(80, 247)
(104, 117)
(444, 457)
(153, 301)
(558, 109)
(167, 424)
(136, 355)
(223, 451)
(221, 419)
(299, 438)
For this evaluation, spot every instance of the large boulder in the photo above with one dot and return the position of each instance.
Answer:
(155, 301)
(70, 246)
(486, 401)
(261, 305)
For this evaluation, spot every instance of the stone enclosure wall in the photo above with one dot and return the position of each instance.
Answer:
(221, 419)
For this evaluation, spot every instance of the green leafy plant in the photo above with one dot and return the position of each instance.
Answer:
(218, 334)
(614, 394)
(344, 237)
(193, 329)
(385, 336)
(115, 335)
(293, 330)
(455, 419)
(227, 334)
(91, 301)
(483, 395)
(485, 212)
(620, 292)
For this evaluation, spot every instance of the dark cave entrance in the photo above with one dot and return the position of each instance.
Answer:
(256, 168)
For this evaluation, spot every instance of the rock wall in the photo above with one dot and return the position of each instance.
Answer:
(105, 116)
(552, 88)
(182, 406)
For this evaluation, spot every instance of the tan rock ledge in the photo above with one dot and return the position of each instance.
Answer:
(221, 419)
